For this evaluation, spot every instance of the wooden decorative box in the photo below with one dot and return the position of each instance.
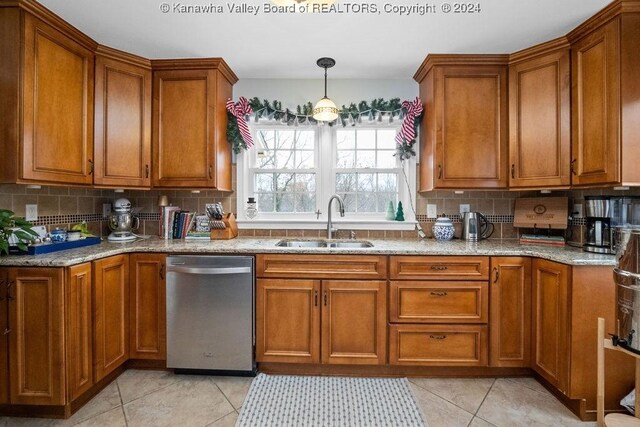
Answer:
(229, 232)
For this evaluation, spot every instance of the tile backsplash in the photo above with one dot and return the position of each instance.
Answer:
(62, 206)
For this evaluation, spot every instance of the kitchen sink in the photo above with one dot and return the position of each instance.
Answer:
(349, 244)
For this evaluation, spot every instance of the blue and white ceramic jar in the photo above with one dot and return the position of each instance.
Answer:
(443, 229)
(58, 235)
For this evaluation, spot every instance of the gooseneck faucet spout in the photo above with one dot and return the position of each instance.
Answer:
(330, 229)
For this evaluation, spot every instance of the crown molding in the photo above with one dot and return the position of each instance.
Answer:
(119, 55)
(195, 64)
(561, 43)
(458, 59)
(610, 12)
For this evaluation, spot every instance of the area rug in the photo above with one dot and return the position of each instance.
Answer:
(282, 400)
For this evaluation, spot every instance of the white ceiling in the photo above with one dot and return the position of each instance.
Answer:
(365, 46)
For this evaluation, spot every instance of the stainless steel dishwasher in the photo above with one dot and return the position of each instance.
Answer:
(210, 313)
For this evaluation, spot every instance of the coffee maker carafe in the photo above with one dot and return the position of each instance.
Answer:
(122, 222)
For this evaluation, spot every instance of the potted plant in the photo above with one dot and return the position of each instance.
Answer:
(11, 226)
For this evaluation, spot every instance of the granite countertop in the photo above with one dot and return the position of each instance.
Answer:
(566, 255)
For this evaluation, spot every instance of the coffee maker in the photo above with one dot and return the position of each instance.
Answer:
(603, 213)
(122, 222)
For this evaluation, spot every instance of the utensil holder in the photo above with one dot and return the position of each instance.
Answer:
(229, 232)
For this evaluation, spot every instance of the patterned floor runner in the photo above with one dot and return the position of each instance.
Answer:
(288, 401)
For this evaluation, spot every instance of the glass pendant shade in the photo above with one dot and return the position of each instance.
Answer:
(325, 110)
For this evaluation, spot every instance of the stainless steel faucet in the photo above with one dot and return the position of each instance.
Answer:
(330, 229)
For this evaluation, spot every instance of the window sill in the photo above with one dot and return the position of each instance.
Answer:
(303, 224)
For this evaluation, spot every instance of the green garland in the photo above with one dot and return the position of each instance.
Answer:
(273, 110)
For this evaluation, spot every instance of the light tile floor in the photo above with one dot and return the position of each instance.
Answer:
(158, 398)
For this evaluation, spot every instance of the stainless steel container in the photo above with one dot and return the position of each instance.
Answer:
(627, 278)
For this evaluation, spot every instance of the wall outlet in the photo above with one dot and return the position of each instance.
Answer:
(465, 208)
(577, 208)
(106, 209)
(31, 212)
(432, 211)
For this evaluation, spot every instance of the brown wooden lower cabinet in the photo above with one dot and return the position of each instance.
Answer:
(551, 321)
(111, 314)
(438, 345)
(354, 322)
(36, 340)
(79, 330)
(510, 324)
(288, 320)
(147, 299)
(291, 313)
(4, 338)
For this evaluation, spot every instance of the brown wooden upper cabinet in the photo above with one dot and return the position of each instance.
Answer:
(122, 119)
(465, 125)
(46, 116)
(605, 98)
(540, 116)
(190, 147)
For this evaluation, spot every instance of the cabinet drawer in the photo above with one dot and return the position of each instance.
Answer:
(322, 266)
(438, 345)
(439, 302)
(439, 267)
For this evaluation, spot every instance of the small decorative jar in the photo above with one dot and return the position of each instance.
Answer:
(443, 229)
(252, 209)
(58, 235)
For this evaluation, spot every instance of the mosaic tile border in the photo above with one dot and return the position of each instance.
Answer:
(496, 219)
(67, 219)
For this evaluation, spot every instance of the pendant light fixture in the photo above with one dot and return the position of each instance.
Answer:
(325, 110)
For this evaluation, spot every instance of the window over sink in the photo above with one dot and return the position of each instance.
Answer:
(292, 171)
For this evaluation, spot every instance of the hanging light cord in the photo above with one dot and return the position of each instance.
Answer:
(325, 82)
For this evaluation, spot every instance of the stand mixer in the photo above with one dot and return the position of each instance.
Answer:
(122, 222)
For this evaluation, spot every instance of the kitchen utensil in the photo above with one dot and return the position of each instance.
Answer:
(475, 226)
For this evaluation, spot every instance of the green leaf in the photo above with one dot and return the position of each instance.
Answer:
(22, 246)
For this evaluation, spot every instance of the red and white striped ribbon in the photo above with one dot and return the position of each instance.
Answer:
(408, 130)
(240, 110)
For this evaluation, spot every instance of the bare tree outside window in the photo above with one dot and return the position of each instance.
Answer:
(366, 173)
(285, 177)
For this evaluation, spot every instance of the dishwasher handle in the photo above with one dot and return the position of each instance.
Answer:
(208, 270)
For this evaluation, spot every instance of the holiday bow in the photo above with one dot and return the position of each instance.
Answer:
(407, 132)
(240, 110)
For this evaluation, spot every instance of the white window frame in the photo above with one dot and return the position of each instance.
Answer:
(325, 155)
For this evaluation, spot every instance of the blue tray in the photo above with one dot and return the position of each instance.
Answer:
(43, 248)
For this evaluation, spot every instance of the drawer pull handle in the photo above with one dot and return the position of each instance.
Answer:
(495, 270)
(315, 298)
(439, 294)
(439, 267)
(7, 331)
(437, 337)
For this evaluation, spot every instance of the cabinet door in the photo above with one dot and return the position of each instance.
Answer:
(288, 321)
(37, 338)
(472, 126)
(596, 106)
(122, 124)
(510, 318)
(148, 324)
(4, 339)
(354, 322)
(540, 121)
(57, 107)
(79, 330)
(183, 102)
(111, 314)
(551, 321)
